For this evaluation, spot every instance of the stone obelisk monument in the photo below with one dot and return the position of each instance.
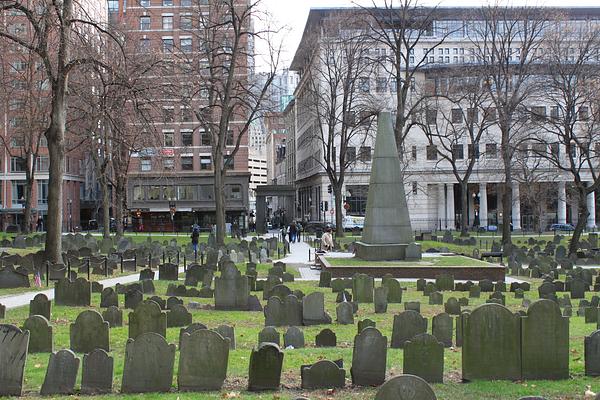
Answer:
(387, 234)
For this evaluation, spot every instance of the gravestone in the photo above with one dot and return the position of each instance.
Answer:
(394, 290)
(269, 335)
(203, 361)
(148, 365)
(40, 305)
(544, 342)
(77, 293)
(491, 332)
(436, 298)
(293, 337)
(442, 327)
(147, 317)
(325, 279)
(227, 332)
(274, 312)
(133, 297)
(168, 272)
(578, 288)
(313, 309)
(326, 338)
(191, 329)
(40, 334)
(97, 374)
(424, 357)
(113, 316)
(108, 298)
(362, 288)
(178, 316)
(323, 374)
(11, 277)
(89, 332)
(61, 374)
(444, 282)
(172, 301)
(380, 300)
(13, 356)
(475, 291)
(365, 323)
(405, 387)
(160, 301)
(452, 306)
(231, 290)
(344, 313)
(412, 306)
(369, 358)
(264, 372)
(407, 325)
(591, 346)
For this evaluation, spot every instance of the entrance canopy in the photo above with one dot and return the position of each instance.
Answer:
(264, 191)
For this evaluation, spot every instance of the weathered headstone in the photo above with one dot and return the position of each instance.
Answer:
(108, 298)
(77, 293)
(424, 357)
(405, 386)
(412, 306)
(13, 356)
(325, 279)
(133, 297)
(407, 325)
(40, 334)
(227, 332)
(61, 374)
(380, 299)
(323, 374)
(97, 374)
(113, 316)
(436, 298)
(592, 354)
(369, 358)
(365, 323)
(362, 288)
(326, 338)
(293, 337)
(147, 317)
(344, 313)
(269, 335)
(442, 327)
(313, 309)
(89, 332)
(231, 290)
(40, 305)
(203, 361)
(264, 371)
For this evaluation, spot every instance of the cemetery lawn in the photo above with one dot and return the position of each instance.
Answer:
(248, 324)
(442, 261)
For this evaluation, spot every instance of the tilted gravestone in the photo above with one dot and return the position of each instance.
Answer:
(178, 316)
(147, 317)
(402, 385)
(40, 334)
(11, 277)
(89, 332)
(231, 290)
(13, 356)
(313, 309)
(369, 358)
(148, 365)
(203, 361)
(362, 288)
(61, 374)
(323, 374)
(491, 332)
(97, 374)
(424, 357)
(264, 372)
(40, 305)
(441, 328)
(326, 338)
(227, 332)
(407, 325)
(293, 337)
(544, 342)
(108, 298)
(344, 313)
(113, 316)
(77, 293)
(269, 335)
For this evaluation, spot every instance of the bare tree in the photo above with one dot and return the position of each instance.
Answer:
(456, 117)
(507, 43)
(567, 137)
(342, 105)
(220, 86)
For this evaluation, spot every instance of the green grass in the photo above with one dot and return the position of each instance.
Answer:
(444, 261)
(248, 324)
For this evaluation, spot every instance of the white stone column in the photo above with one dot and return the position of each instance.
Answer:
(483, 208)
(562, 204)
(591, 206)
(441, 207)
(450, 212)
(471, 201)
(516, 207)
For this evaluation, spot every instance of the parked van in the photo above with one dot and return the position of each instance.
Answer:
(351, 222)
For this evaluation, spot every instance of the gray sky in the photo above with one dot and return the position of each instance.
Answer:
(293, 13)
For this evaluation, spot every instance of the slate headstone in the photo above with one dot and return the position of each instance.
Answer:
(97, 374)
(369, 358)
(13, 356)
(407, 325)
(265, 366)
(424, 357)
(203, 361)
(40, 334)
(89, 332)
(61, 374)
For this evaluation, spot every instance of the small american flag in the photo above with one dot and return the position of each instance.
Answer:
(37, 279)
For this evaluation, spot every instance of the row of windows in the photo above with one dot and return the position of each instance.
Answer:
(183, 192)
(42, 164)
(186, 163)
(187, 138)
(18, 193)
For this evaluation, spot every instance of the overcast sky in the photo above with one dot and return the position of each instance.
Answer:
(292, 14)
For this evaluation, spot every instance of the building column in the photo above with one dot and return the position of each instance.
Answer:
(562, 203)
(441, 206)
(471, 201)
(591, 206)
(574, 214)
(450, 212)
(483, 206)
(516, 207)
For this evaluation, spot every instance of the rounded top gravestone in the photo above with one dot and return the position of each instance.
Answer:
(405, 387)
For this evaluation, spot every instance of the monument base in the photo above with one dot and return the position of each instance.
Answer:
(386, 252)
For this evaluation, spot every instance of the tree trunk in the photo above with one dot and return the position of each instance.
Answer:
(119, 206)
(54, 219)
(339, 218)
(464, 200)
(105, 205)
(219, 174)
(583, 214)
(507, 192)
(26, 225)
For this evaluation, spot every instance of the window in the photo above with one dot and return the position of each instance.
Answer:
(229, 162)
(168, 139)
(364, 85)
(457, 117)
(186, 45)
(555, 150)
(472, 116)
(432, 152)
(43, 141)
(42, 192)
(554, 113)
(144, 3)
(138, 193)
(144, 45)
(350, 154)
(167, 45)
(145, 164)
(538, 113)
(458, 152)
(167, 3)
(18, 193)
(205, 138)
(574, 150)
(491, 150)
(42, 164)
(187, 163)
(414, 153)
(18, 66)
(154, 193)
(380, 85)
(167, 22)
(229, 138)
(205, 163)
(490, 114)
(539, 149)
(186, 3)
(583, 113)
(144, 23)
(431, 116)
(18, 164)
(206, 192)
(365, 154)
(414, 188)
(233, 192)
(185, 192)
(15, 104)
(168, 114)
(187, 138)
(185, 22)
(168, 163)
(186, 114)
(16, 141)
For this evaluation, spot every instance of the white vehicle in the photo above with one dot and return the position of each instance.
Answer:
(351, 222)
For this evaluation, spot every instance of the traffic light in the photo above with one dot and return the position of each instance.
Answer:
(321, 206)
(326, 206)
(329, 189)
